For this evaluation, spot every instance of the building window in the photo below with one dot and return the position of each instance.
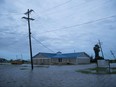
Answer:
(60, 59)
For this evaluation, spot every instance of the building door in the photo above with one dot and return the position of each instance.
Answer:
(60, 60)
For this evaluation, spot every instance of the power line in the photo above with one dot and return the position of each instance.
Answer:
(49, 9)
(78, 5)
(81, 10)
(42, 44)
(7, 13)
(77, 25)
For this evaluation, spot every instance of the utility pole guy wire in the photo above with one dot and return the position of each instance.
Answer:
(28, 19)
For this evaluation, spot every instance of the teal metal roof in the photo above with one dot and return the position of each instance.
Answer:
(65, 55)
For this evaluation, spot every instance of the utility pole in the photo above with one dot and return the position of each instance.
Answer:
(112, 54)
(28, 19)
(21, 56)
(101, 48)
(16, 57)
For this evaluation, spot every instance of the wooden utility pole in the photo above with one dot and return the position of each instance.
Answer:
(101, 48)
(28, 19)
(112, 54)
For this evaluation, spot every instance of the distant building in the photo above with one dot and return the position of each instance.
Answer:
(18, 61)
(59, 58)
(2, 60)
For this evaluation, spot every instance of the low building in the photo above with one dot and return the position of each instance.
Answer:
(59, 58)
(18, 61)
(3, 60)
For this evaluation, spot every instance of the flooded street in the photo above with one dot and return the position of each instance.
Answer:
(52, 76)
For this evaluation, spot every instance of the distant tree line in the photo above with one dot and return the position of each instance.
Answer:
(4, 60)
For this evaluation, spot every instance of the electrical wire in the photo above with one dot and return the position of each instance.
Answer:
(77, 6)
(42, 44)
(83, 10)
(77, 25)
(9, 13)
(49, 9)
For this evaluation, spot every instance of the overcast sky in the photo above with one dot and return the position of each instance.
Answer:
(59, 25)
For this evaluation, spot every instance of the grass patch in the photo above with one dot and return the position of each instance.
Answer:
(98, 70)
(113, 68)
(114, 72)
(83, 71)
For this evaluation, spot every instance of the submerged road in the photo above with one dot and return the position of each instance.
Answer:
(53, 76)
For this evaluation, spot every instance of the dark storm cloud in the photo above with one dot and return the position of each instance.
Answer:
(14, 30)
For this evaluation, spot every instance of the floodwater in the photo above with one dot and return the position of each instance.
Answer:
(52, 76)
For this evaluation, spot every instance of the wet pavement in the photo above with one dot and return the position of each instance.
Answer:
(53, 76)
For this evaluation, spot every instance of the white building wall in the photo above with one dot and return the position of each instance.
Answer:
(83, 60)
(40, 61)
